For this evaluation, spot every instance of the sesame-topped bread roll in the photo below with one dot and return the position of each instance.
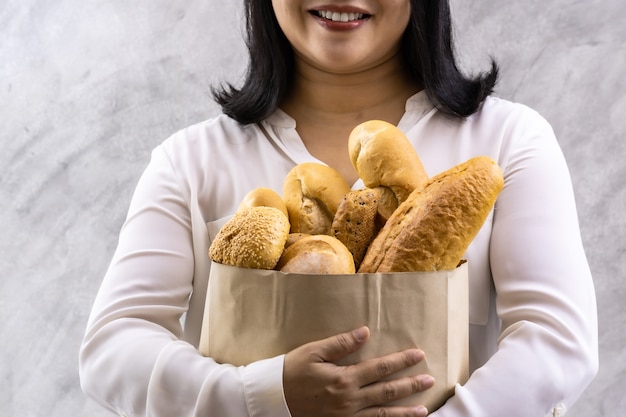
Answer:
(253, 238)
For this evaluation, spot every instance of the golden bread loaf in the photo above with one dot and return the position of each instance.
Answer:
(263, 197)
(317, 254)
(253, 238)
(312, 192)
(383, 156)
(432, 229)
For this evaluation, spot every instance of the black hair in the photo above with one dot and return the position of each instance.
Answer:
(428, 51)
(427, 48)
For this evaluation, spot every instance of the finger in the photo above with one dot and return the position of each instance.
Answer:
(376, 369)
(384, 392)
(338, 346)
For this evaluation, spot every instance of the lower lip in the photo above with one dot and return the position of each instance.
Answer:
(340, 26)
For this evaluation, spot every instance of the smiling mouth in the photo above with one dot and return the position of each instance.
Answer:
(339, 17)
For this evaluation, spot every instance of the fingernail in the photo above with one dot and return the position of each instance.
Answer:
(428, 381)
(360, 334)
(422, 411)
(418, 355)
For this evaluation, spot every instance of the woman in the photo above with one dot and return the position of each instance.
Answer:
(533, 335)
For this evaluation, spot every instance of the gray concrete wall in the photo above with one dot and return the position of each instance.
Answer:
(88, 88)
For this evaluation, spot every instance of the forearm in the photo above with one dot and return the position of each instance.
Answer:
(135, 369)
(533, 374)
(133, 359)
(547, 351)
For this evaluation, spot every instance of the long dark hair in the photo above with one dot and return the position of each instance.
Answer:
(427, 48)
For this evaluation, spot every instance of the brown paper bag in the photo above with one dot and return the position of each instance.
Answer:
(256, 314)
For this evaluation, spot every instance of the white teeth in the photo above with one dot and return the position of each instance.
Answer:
(340, 17)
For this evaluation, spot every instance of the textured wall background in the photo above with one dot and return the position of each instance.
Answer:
(88, 88)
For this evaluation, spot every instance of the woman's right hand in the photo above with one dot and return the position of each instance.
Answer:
(314, 386)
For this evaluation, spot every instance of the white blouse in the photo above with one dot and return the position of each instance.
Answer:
(533, 327)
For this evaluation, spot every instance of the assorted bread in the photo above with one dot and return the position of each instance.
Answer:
(401, 221)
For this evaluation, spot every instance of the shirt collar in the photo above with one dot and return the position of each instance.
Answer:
(417, 103)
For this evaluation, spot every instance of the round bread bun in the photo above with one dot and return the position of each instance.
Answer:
(253, 238)
(312, 192)
(294, 237)
(317, 254)
(383, 156)
(263, 197)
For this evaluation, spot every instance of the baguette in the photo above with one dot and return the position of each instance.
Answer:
(432, 229)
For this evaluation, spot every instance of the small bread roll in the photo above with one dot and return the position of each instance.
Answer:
(355, 222)
(383, 156)
(433, 228)
(317, 254)
(312, 192)
(360, 216)
(294, 237)
(263, 197)
(253, 238)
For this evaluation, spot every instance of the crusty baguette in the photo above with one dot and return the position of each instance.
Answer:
(316, 254)
(312, 192)
(432, 229)
(253, 238)
(383, 156)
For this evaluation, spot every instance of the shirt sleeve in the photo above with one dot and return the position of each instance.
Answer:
(547, 349)
(133, 359)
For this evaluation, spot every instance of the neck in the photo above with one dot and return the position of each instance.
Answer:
(333, 98)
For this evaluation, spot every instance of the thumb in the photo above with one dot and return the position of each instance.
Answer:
(338, 346)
